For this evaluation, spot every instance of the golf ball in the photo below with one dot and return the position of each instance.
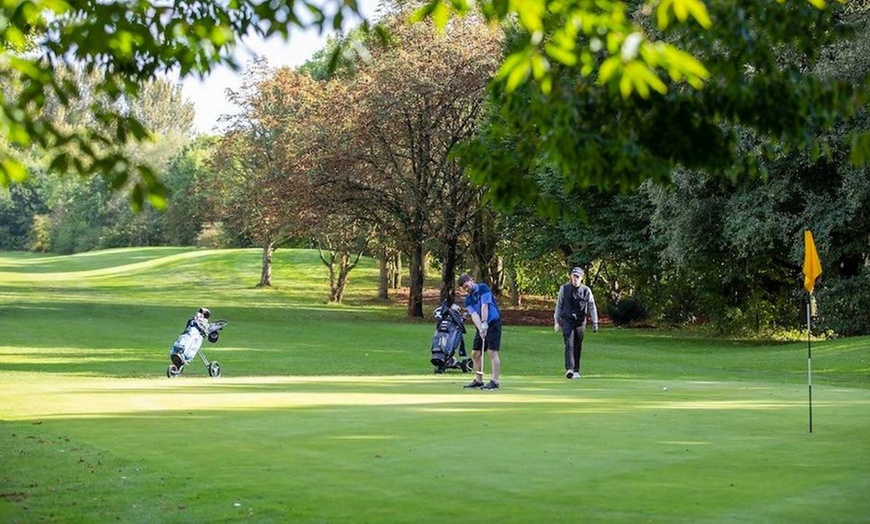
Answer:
(664, 389)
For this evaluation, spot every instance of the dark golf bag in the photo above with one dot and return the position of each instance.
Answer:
(448, 340)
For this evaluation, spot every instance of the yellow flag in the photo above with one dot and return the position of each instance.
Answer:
(812, 265)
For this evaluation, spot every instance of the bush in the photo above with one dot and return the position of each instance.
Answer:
(212, 236)
(844, 306)
(626, 311)
(40, 234)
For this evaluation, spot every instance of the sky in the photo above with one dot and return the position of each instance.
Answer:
(209, 95)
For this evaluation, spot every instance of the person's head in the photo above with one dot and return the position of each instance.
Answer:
(466, 282)
(576, 275)
(204, 312)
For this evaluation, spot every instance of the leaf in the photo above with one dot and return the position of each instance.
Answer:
(680, 10)
(441, 15)
(540, 66)
(531, 13)
(512, 61)
(16, 38)
(699, 12)
(17, 134)
(137, 198)
(518, 75)
(12, 170)
(546, 84)
(157, 195)
(625, 86)
(424, 12)
(608, 69)
(645, 76)
(662, 16)
(562, 55)
(860, 154)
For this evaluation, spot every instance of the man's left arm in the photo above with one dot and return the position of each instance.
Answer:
(593, 312)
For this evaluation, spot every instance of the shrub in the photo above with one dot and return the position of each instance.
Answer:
(626, 311)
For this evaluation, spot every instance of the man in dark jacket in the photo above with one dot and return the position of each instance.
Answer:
(575, 302)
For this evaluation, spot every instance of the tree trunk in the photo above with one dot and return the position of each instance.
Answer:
(330, 265)
(396, 268)
(344, 268)
(515, 297)
(496, 271)
(415, 284)
(266, 274)
(383, 274)
(484, 242)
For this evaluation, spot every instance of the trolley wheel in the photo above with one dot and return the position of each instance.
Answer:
(173, 371)
(214, 370)
(467, 365)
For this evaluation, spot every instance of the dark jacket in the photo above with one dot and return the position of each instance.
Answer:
(574, 304)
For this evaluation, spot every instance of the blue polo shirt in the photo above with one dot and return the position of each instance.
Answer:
(477, 298)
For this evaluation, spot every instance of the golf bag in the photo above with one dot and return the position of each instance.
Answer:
(448, 340)
(188, 345)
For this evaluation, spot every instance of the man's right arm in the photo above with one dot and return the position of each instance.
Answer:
(557, 314)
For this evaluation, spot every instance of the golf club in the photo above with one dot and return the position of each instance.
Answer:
(482, 353)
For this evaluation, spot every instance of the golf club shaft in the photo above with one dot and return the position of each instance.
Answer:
(482, 352)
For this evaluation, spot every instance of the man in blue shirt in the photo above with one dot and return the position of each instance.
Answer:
(484, 313)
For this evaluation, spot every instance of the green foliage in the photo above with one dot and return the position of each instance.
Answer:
(190, 183)
(40, 234)
(18, 206)
(597, 39)
(212, 236)
(844, 305)
(626, 311)
(761, 59)
(130, 44)
(540, 275)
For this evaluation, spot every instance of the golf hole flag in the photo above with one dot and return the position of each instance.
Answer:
(812, 265)
(812, 270)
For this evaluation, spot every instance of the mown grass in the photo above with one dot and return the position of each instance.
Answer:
(330, 413)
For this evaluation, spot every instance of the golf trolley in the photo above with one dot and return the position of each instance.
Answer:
(448, 340)
(188, 346)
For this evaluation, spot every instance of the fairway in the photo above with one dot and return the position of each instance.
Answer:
(331, 413)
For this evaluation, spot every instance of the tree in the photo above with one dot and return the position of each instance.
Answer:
(18, 208)
(389, 152)
(111, 223)
(759, 60)
(603, 40)
(128, 43)
(341, 242)
(190, 183)
(264, 185)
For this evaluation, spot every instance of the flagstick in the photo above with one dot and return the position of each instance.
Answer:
(810, 362)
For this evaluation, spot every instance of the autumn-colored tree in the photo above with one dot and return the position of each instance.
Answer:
(394, 134)
(264, 186)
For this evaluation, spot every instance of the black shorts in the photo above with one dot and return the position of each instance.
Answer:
(493, 337)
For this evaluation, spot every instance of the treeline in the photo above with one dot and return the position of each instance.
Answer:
(415, 157)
